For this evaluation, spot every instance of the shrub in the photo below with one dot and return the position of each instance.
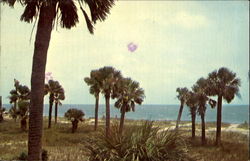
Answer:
(74, 115)
(139, 143)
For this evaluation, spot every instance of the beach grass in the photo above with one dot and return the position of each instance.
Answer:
(61, 144)
(245, 125)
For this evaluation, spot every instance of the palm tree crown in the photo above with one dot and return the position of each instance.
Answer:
(94, 82)
(129, 94)
(224, 83)
(182, 94)
(66, 11)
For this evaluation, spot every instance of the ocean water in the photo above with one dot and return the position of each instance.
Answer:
(230, 113)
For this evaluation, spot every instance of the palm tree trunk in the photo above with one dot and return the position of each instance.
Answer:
(203, 130)
(74, 126)
(56, 109)
(193, 115)
(122, 119)
(96, 111)
(15, 103)
(218, 131)
(107, 99)
(179, 115)
(23, 124)
(51, 100)
(44, 28)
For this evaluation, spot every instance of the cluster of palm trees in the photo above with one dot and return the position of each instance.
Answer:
(56, 95)
(222, 83)
(112, 84)
(20, 100)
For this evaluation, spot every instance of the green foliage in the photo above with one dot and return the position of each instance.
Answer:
(23, 156)
(74, 114)
(139, 143)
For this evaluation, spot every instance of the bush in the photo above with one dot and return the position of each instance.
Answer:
(23, 156)
(139, 143)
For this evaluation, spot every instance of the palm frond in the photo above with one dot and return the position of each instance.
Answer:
(31, 10)
(69, 17)
(11, 3)
(88, 22)
(99, 8)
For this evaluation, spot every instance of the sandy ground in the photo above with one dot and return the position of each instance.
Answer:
(231, 128)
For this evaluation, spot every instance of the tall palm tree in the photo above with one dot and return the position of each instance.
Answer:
(52, 88)
(202, 99)
(58, 97)
(47, 11)
(182, 96)
(109, 76)
(95, 88)
(192, 103)
(224, 84)
(129, 93)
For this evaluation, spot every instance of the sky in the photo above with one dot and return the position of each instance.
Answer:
(177, 43)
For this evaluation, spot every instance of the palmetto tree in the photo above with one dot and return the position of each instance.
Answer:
(95, 83)
(47, 11)
(128, 94)
(182, 96)
(202, 99)
(53, 88)
(58, 97)
(109, 76)
(74, 115)
(224, 84)
(192, 103)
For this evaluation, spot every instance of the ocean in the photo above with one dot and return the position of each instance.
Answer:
(230, 113)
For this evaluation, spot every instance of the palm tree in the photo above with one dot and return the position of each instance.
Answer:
(52, 88)
(74, 115)
(129, 93)
(95, 88)
(109, 76)
(192, 103)
(47, 11)
(202, 99)
(182, 96)
(224, 84)
(58, 97)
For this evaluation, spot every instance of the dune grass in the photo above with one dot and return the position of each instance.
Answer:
(245, 125)
(61, 144)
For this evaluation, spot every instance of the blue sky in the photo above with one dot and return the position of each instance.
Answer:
(178, 42)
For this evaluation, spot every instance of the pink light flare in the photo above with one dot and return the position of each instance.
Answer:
(132, 47)
(48, 76)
